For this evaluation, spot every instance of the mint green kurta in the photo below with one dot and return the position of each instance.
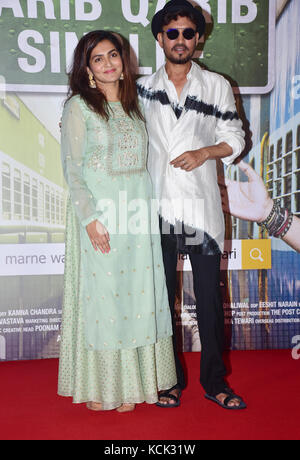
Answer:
(115, 305)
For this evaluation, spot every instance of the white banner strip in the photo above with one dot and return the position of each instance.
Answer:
(49, 258)
(32, 259)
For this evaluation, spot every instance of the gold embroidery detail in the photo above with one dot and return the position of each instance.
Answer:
(95, 160)
(128, 160)
(131, 136)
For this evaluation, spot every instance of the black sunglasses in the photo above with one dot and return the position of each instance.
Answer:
(188, 33)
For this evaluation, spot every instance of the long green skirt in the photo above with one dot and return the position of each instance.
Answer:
(110, 377)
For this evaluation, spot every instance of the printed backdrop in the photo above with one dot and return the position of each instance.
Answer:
(255, 45)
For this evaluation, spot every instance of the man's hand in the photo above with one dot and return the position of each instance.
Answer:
(194, 158)
(191, 159)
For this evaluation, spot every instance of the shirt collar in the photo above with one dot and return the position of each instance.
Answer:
(170, 88)
(189, 74)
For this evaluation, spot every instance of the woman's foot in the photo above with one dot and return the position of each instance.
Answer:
(94, 406)
(126, 407)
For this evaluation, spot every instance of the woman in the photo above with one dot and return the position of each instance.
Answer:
(116, 347)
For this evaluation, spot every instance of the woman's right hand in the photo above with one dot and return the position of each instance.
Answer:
(99, 236)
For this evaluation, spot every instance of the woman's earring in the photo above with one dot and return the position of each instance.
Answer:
(92, 83)
(122, 76)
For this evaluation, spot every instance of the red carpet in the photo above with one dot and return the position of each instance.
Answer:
(268, 381)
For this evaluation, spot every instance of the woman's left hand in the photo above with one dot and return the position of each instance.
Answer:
(99, 236)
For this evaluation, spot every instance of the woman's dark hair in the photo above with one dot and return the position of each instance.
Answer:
(168, 17)
(79, 81)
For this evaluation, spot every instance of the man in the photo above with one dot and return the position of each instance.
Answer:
(192, 121)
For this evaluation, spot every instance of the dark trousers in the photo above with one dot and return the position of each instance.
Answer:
(210, 317)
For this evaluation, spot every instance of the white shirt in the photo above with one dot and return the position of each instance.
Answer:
(207, 117)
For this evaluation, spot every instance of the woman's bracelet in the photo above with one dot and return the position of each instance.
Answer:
(270, 217)
(278, 221)
(285, 227)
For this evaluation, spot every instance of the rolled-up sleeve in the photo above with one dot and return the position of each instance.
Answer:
(229, 126)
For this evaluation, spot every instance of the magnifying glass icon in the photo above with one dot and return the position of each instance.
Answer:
(256, 254)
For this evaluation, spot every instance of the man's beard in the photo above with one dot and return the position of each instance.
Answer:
(180, 60)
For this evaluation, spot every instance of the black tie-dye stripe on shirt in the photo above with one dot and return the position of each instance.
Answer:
(160, 96)
(177, 110)
(191, 103)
